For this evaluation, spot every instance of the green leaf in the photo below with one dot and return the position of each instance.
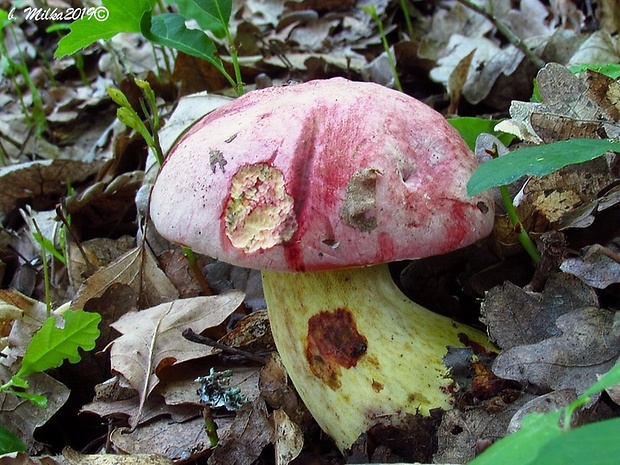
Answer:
(169, 29)
(596, 443)
(123, 16)
(521, 448)
(536, 161)
(9, 442)
(470, 128)
(206, 14)
(611, 70)
(51, 345)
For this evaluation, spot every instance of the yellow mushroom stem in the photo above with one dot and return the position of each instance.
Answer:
(358, 351)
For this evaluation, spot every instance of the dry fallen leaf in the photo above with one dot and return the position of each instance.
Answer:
(289, 439)
(508, 311)
(571, 107)
(138, 269)
(21, 417)
(40, 182)
(151, 339)
(589, 345)
(248, 435)
(597, 266)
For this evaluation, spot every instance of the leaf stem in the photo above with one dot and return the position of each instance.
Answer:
(522, 234)
(506, 32)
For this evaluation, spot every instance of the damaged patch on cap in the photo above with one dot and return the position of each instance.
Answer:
(360, 200)
(259, 212)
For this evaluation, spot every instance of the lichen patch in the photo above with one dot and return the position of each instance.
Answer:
(259, 211)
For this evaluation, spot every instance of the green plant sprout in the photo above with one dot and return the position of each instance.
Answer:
(549, 439)
(128, 116)
(535, 161)
(11, 68)
(49, 348)
(372, 12)
(165, 29)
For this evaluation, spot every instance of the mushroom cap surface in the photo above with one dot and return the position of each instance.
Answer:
(320, 175)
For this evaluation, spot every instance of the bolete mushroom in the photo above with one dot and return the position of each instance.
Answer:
(320, 185)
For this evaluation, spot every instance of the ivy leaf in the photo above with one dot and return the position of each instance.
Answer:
(537, 161)
(50, 346)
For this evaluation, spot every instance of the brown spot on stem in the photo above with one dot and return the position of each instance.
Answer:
(333, 343)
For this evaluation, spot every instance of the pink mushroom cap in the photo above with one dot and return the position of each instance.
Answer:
(321, 175)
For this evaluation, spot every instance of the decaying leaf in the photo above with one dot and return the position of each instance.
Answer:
(571, 107)
(138, 269)
(288, 440)
(175, 441)
(40, 182)
(152, 338)
(597, 266)
(21, 417)
(248, 435)
(76, 458)
(463, 434)
(508, 311)
(589, 345)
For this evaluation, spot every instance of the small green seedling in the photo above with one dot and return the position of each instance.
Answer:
(11, 69)
(372, 12)
(49, 348)
(549, 439)
(128, 116)
(165, 29)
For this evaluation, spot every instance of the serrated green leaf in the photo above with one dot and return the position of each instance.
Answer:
(536, 161)
(9, 442)
(470, 128)
(51, 346)
(169, 29)
(123, 16)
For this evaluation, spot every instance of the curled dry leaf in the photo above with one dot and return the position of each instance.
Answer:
(152, 339)
(589, 344)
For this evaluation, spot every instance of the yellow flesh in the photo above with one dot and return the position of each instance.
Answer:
(400, 369)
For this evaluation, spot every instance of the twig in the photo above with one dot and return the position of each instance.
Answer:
(506, 32)
(190, 335)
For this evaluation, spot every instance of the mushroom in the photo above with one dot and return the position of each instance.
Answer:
(320, 185)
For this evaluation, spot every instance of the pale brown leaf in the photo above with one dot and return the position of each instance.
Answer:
(152, 338)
